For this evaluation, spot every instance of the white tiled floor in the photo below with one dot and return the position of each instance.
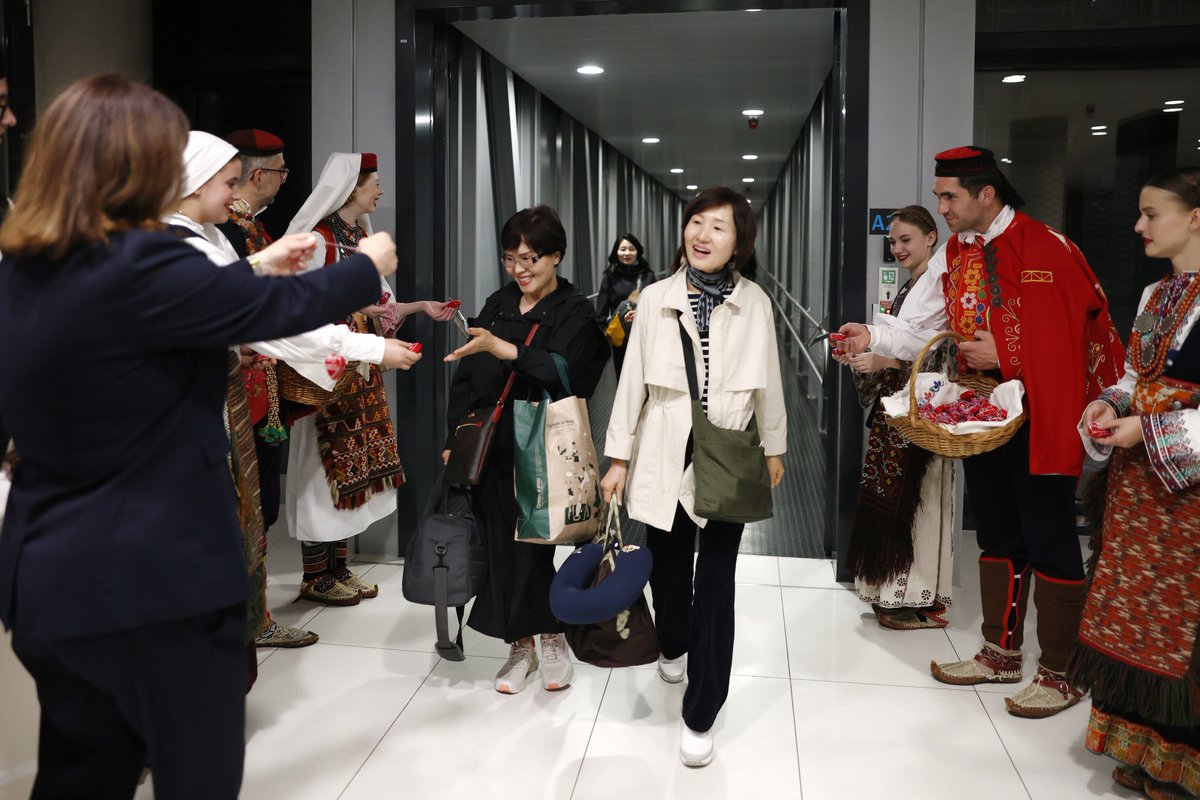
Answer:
(824, 705)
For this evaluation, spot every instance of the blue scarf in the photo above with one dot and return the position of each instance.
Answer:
(712, 291)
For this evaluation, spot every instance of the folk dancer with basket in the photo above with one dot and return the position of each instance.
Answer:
(1036, 313)
(344, 462)
(900, 542)
(1137, 641)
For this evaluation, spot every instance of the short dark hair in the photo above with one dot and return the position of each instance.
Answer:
(633, 240)
(744, 221)
(1004, 190)
(1183, 182)
(541, 229)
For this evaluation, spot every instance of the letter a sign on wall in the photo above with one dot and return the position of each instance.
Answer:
(878, 220)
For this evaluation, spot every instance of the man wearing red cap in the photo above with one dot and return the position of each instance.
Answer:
(1031, 310)
(263, 173)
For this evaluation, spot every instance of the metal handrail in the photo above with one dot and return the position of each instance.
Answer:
(799, 341)
(794, 301)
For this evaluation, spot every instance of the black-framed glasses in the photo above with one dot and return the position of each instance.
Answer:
(283, 173)
(527, 260)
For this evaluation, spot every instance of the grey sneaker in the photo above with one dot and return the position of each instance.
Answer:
(522, 663)
(557, 670)
(277, 635)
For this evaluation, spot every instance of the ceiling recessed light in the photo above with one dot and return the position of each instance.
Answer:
(651, 140)
(1006, 160)
(748, 200)
(1173, 103)
(1172, 110)
(1013, 79)
(691, 187)
(749, 157)
(1099, 127)
(752, 112)
(747, 180)
(676, 170)
(754, 9)
(590, 69)
(1099, 133)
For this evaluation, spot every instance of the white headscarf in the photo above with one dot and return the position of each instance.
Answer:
(203, 158)
(331, 192)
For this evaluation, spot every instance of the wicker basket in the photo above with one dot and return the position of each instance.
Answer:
(299, 389)
(936, 439)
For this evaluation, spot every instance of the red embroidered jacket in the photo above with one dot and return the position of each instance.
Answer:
(1033, 289)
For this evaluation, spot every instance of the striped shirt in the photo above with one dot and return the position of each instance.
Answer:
(702, 378)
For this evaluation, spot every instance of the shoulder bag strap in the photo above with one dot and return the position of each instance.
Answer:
(511, 377)
(689, 360)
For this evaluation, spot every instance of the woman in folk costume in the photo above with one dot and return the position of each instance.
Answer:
(344, 463)
(211, 168)
(1138, 638)
(900, 543)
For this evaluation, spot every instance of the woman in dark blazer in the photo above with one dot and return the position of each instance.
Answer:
(514, 603)
(122, 576)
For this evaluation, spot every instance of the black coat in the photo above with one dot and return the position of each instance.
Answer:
(514, 601)
(112, 384)
(567, 328)
(615, 287)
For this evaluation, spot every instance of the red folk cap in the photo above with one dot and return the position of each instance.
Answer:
(370, 163)
(253, 142)
(959, 162)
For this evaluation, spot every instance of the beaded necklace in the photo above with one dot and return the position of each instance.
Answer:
(1154, 329)
(344, 234)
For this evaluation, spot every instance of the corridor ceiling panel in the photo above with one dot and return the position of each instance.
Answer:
(684, 78)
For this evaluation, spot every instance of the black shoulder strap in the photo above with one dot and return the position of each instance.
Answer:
(689, 360)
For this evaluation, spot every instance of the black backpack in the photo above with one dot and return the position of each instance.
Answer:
(445, 562)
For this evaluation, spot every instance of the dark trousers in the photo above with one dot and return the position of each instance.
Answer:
(1027, 519)
(618, 358)
(514, 600)
(169, 694)
(270, 469)
(696, 618)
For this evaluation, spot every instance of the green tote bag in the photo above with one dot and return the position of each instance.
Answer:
(555, 469)
(730, 468)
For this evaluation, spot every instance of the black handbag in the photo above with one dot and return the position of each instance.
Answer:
(729, 467)
(445, 564)
(627, 638)
(473, 436)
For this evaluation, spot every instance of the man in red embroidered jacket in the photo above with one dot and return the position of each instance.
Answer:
(1032, 310)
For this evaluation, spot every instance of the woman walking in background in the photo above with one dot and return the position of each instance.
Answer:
(627, 273)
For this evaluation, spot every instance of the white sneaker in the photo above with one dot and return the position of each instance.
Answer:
(557, 670)
(695, 748)
(522, 662)
(672, 670)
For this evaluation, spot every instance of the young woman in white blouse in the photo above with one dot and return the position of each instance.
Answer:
(729, 321)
